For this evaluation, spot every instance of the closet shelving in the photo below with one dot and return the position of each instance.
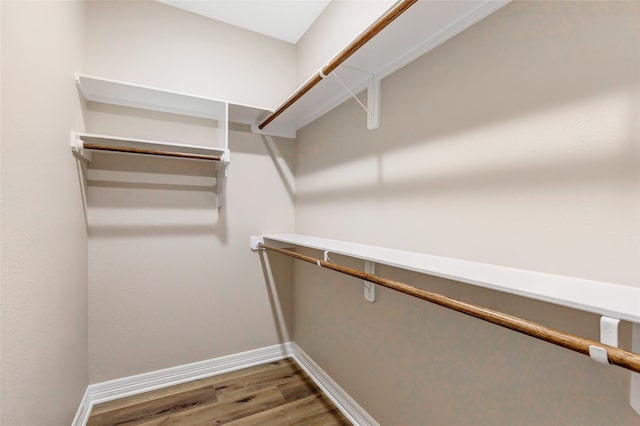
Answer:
(602, 298)
(420, 27)
(103, 90)
(613, 302)
(87, 142)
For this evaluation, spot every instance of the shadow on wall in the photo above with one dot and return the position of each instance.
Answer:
(528, 95)
(433, 363)
(278, 277)
(280, 150)
(143, 196)
(136, 196)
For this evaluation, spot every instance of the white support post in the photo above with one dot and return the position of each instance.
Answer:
(373, 103)
(221, 178)
(221, 175)
(635, 377)
(369, 287)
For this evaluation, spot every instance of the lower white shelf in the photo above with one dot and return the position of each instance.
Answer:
(82, 144)
(611, 300)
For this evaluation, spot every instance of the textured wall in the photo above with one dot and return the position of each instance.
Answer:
(150, 43)
(171, 280)
(44, 244)
(339, 24)
(515, 143)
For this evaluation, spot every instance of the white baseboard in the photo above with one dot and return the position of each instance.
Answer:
(347, 405)
(132, 385)
(82, 415)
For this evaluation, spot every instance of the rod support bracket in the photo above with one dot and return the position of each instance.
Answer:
(78, 148)
(609, 331)
(608, 336)
(599, 354)
(369, 287)
(254, 243)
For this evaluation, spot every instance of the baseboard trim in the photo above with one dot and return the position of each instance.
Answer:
(82, 415)
(347, 405)
(132, 385)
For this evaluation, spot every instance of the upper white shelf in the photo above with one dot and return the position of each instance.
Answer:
(612, 300)
(421, 28)
(116, 92)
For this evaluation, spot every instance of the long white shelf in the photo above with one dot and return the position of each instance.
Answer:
(612, 300)
(424, 26)
(104, 90)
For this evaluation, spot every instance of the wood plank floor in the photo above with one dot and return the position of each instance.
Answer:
(273, 394)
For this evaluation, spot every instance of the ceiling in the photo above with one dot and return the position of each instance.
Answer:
(286, 20)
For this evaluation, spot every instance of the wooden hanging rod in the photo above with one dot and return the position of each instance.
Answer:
(616, 356)
(101, 147)
(362, 39)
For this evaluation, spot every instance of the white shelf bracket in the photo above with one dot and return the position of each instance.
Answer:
(77, 148)
(369, 287)
(373, 99)
(635, 377)
(608, 336)
(609, 331)
(373, 103)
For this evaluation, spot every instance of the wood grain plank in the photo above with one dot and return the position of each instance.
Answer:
(131, 414)
(313, 410)
(224, 411)
(277, 393)
(298, 389)
(255, 382)
(186, 387)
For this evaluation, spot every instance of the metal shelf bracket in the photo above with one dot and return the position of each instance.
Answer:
(373, 98)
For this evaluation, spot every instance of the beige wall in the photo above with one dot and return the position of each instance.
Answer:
(44, 245)
(171, 280)
(153, 44)
(515, 143)
(339, 24)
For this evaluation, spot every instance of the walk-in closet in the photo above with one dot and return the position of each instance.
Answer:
(320, 212)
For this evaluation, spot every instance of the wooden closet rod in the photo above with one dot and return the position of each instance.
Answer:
(616, 356)
(362, 39)
(101, 147)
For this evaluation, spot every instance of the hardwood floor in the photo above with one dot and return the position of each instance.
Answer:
(273, 394)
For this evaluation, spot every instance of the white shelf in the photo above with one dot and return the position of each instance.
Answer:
(104, 90)
(612, 300)
(149, 144)
(421, 28)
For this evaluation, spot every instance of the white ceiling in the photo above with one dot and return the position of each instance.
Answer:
(286, 20)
